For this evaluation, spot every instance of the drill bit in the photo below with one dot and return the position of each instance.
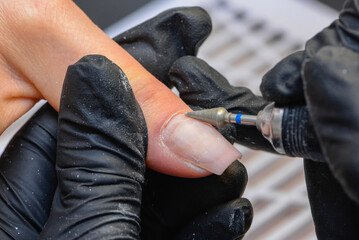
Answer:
(268, 122)
(220, 116)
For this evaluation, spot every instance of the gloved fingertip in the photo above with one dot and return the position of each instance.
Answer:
(158, 42)
(229, 221)
(283, 83)
(93, 70)
(97, 95)
(243, 215)
(236, 175)
(195, 25)
(189, 24)
(96, 82)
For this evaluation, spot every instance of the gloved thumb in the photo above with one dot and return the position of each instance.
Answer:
(102, 142)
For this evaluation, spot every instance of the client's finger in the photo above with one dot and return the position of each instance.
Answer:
(63, 34)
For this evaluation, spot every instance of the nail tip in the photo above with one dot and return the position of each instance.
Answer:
(234, 156)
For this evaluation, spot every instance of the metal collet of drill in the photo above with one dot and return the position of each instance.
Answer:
(289, 130)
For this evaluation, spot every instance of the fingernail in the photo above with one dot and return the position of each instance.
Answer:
(198, 144)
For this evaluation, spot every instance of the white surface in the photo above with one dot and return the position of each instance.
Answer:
(281, 212)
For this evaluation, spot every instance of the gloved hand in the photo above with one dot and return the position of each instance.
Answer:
(325, 77)
(166, 198)
(100, 162)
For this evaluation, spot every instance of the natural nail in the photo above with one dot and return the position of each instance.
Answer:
(198, 143)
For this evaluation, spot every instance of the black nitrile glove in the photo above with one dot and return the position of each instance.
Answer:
(100, 162)
(28, 177)
(100, 159)
(158, 42)
(201, 86)
(172, 207)
(325, 78)
(208, 208)
(170, 204)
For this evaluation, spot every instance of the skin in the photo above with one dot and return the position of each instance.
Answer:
(39, 39)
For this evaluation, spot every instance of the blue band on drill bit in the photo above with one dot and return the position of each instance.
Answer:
(239, 118)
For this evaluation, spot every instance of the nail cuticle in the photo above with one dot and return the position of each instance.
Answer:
(187, 162)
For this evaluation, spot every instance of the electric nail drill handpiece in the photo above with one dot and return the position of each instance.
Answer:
(289, 130)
